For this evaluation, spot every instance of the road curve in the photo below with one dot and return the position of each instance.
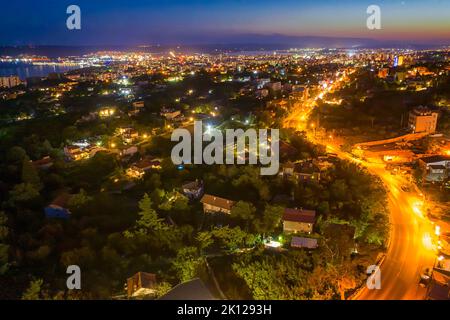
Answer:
(410, 249)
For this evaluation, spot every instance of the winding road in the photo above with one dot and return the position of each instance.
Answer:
(410, 248)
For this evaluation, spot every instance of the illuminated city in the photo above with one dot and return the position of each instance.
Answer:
(89, 184)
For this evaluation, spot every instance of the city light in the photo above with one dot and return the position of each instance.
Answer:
(437, 230)
(360, 159)
(427, 241)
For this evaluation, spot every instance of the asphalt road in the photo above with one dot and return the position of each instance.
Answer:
(410, 248)
(411, 239)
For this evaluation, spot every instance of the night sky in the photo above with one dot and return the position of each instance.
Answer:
(136, 22)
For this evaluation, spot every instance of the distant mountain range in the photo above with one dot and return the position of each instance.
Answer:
(239, 42)
(281, 41)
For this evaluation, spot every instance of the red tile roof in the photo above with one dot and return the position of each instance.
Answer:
(217, 201)
(299, 215)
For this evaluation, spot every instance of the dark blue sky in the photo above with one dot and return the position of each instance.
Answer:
(133, 22)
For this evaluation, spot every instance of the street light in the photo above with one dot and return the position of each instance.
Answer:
(437, 231)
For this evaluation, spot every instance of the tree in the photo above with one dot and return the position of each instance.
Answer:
(34, 290)
(243, 211)
(30, 174)
(162, 288)
(23, 192)
(173, 201)
(148, 219)
(78, 200)
(181, 203)
(186, 263)
(232, 238)
(4, 248)
(324, 207)
(261, 279)
(339, 190)
(70, 133)
(205, 239)
(16, 154)
(270, 220)
(323, 282)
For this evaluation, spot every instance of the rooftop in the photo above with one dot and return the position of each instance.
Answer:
(192, 184)
(300, 242)
(191, 290)
(217, 201)
(299, 215)
(435, 158)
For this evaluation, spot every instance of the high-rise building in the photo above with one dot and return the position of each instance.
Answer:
(9, 82)
(396, 61)
(422, 119)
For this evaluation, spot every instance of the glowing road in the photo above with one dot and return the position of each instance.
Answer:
(411, 247)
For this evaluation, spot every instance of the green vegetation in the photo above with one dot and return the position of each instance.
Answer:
(151, 226)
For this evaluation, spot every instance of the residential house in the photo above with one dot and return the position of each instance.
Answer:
(141, 284)
(139, 168)
(287, 169)
(129, 134)
(136, 108)
(193, 189)
(303, 171)
(300, 242)
(190, 290)
(170, 114)
(274, 86)
(213, 204)
(298, 220)
(436, 168)
(439, 288)
(58, 207)
(128, 151)
(44, 163)
(75, 153)
(139, 104)
(106, 112)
